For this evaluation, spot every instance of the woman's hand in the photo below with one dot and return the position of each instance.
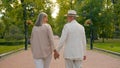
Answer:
(56, 54)
(84, 58)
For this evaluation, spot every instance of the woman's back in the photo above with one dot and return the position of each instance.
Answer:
(40, 42)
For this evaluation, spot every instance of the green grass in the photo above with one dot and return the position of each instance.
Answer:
(111, 44)
(6, 48)
(2, 40)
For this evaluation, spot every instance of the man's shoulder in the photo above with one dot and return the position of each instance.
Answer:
(66, 25)
(80, 25)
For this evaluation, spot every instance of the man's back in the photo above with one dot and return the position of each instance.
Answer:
(75, 40)
(75, 32)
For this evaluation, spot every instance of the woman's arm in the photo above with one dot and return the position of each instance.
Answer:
(51, 37)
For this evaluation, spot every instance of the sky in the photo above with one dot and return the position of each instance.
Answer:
(0, 15)
(55, 9)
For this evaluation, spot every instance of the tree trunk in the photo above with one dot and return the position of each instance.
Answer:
(103, 39)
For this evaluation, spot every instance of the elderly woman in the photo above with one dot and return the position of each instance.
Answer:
(42, 42)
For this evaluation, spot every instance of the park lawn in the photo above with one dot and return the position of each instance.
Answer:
(8, 48)
(4, 48)
(112, 45)
(2, 40)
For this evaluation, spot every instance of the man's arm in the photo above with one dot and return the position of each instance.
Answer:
(84, 44)
(61, 42)
(63, 38)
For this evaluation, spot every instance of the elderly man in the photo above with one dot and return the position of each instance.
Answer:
(74, 39)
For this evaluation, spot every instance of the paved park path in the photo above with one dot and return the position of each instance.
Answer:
(95, 59)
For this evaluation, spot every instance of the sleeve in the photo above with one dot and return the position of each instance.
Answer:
(63, 38)
(84, 41)
(51, 37)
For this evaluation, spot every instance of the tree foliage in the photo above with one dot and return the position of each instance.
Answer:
(12, 13)
(101, 12)
(116, 11)
(64, 6)
(105, 15)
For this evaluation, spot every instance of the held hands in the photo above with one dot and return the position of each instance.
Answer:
(84, 58)
(56, 54)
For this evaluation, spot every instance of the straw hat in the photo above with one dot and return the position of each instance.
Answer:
(71, 13)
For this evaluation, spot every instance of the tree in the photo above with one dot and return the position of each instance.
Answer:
(116, 10)
(2, 28)
(99, 11)
(101, 15)
(13, 13)
(14, 33)
(64, 6)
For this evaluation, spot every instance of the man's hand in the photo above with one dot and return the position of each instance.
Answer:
(84, 58)
(56, 54)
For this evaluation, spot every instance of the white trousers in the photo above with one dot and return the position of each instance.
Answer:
(43, 63)
(73, 63)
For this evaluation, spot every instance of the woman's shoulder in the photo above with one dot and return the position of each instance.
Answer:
(35, 27)
(47, 25)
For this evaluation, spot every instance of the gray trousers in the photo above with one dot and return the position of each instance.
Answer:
(73, 63)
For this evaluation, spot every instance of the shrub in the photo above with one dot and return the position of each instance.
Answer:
(14, 33)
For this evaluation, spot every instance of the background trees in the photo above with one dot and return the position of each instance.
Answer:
(101, 12)
(105, 16)
(64, 6)
(11, 11)
(116, 10)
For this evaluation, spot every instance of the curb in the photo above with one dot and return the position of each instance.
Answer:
(115, 53)
(11, 52)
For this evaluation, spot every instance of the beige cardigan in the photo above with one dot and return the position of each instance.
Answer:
(42, 41)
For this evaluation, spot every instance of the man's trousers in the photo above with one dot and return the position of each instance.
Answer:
(73, 63)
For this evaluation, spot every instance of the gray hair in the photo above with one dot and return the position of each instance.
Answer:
(40, 18)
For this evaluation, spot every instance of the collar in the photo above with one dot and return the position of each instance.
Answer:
(73, 21)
